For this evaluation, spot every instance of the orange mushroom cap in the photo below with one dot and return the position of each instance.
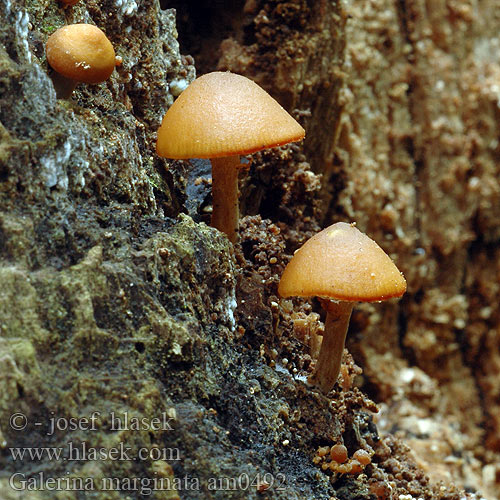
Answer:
(224, 114)
(81, 52)
(342, 263)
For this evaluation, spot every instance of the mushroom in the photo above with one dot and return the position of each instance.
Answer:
(221, 116)
(79, 53)
(340, 265)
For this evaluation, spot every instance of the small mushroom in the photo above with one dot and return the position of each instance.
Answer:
(221, 116)
(79, 53)
(340, 265)
(338, 453)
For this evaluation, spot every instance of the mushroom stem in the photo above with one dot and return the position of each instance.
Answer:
(327, 370)
(225, 212)
(63, 86)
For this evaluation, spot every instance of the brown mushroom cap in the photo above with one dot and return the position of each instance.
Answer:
(342, 263)
(81, 52)
(224, 114)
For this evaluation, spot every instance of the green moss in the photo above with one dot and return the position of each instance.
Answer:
(49, 28)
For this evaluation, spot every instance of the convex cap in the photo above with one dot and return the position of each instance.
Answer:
(342, 263)
(81, 52)
(224, 114)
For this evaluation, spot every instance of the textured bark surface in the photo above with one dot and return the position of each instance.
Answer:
(419, 148)
(116, 298)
